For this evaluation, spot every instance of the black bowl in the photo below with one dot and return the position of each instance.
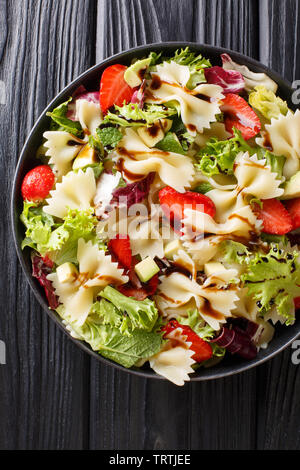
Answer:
(284, 336)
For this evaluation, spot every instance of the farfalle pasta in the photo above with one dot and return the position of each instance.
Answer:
(160, 221)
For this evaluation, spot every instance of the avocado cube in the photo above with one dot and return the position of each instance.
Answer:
(66, 272)
(146, 269)
(172, 248)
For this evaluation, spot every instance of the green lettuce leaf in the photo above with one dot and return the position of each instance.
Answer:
(62, 123)
(196, 64)
(130, 115)
(77, 224)
(45, 236)
(273, 279)
(142, 314)
(267, 103)
(218, 156)
(110, 343)
(234, 252)
(38, 227)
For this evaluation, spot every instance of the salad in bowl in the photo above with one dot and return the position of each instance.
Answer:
(162, 213)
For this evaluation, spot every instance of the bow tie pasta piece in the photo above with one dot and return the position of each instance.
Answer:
(284, 137)
(145, 238)
(216, 129)
(203, 250)
(215, 299)
(175, 364)
(137, 159)
(241, 223)
(89, 115)
(96, 270)
(198, 107)
(76, 191)
(62, 149)
(255, 177)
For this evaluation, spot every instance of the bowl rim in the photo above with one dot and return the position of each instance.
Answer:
(205, 374)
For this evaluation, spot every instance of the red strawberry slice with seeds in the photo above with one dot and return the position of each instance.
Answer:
(293, 207)
(113, 88)
(275, 217)
(238, 114)
(173, 204)
(202, 349)
(120, 248)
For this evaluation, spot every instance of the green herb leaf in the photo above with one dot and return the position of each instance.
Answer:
(142, 314)
(170, 143)
(58, 115)
(131, 115)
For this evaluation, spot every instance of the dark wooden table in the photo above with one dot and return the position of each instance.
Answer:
(52, 395)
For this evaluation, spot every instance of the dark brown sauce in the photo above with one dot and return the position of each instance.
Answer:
(74, 143)
(154, 130)
(267, 142)
(243, 219)
(191, 127)
(203, 97)
(131, 176)
(141, 73)
(208, 310)
(156, 82)
(178, 268)
(169, 299)
(126, 153)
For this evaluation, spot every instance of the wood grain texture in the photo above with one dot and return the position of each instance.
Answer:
(51, 394)
(45, 383)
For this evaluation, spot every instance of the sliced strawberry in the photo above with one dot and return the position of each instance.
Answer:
(238, 114)
(113, 88)
(37, 183)
(293, 207)
(173, 204)
(202, 349)
(276, 219)
(140, 293)
(297, 303)
(120, 248)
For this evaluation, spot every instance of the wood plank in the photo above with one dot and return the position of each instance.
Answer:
(45, 383)
(131, 412)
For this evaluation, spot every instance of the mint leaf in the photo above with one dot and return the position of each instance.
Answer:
(109, 136)
(203, 188)
(61, 122)
(170, 143)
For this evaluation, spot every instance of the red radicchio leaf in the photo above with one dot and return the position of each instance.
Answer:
(140, 293)
(238, 341)
(133, 193)
(230, 80)
(139, 95)
(40, 271)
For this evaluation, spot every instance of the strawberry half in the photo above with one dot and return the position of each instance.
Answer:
(113, 88)
(297, 303)
(37, 183)
(202, 349)
(238, 114)
(293, 207)
(173, 204)
(120, 248)
(276, 219)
